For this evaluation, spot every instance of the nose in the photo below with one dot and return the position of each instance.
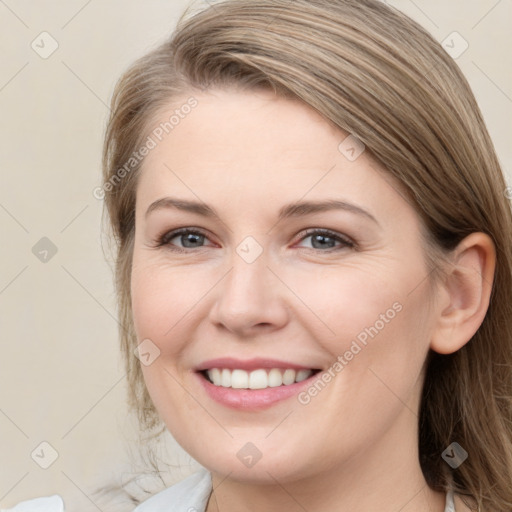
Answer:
(250, 299)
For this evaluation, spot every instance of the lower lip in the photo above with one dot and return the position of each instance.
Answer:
(252, 399)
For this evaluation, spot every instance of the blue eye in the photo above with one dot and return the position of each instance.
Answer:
(188, 238)
(327, 240)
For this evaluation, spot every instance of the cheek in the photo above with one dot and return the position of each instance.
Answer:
(381, 339)
(162, 300)
(342, 302)
(373, 318)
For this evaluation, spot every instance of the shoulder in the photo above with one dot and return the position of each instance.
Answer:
(49, 504)
(189, 494)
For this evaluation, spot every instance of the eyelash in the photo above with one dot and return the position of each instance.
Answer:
(164, 239)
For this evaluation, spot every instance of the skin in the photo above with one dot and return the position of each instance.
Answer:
(354, 445)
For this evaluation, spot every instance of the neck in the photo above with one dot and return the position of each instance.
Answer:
(386, 477)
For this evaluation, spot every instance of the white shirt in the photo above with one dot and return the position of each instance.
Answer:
(189, 495)
(50, 504)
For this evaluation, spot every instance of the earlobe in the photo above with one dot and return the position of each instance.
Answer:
(467, 290)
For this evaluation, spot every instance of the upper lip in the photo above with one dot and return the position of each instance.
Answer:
(249, 364)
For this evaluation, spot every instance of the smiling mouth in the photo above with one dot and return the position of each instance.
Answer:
(256, 379)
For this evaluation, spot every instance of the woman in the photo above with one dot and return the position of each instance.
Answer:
(314, 264)
(322, 190)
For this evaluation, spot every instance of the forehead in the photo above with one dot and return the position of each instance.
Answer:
(251, 146)
(245, 124)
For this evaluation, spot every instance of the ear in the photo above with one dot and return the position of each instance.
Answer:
(465, 293)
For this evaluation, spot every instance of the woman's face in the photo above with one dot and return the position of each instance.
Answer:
(296, 258)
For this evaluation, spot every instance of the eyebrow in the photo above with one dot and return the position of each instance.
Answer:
(291, 210)
(182, 204)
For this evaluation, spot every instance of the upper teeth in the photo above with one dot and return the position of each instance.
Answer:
(257, 379)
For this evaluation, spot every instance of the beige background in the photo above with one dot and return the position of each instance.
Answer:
(61, 381)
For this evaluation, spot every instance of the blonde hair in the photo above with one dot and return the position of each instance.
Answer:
(374, 73)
